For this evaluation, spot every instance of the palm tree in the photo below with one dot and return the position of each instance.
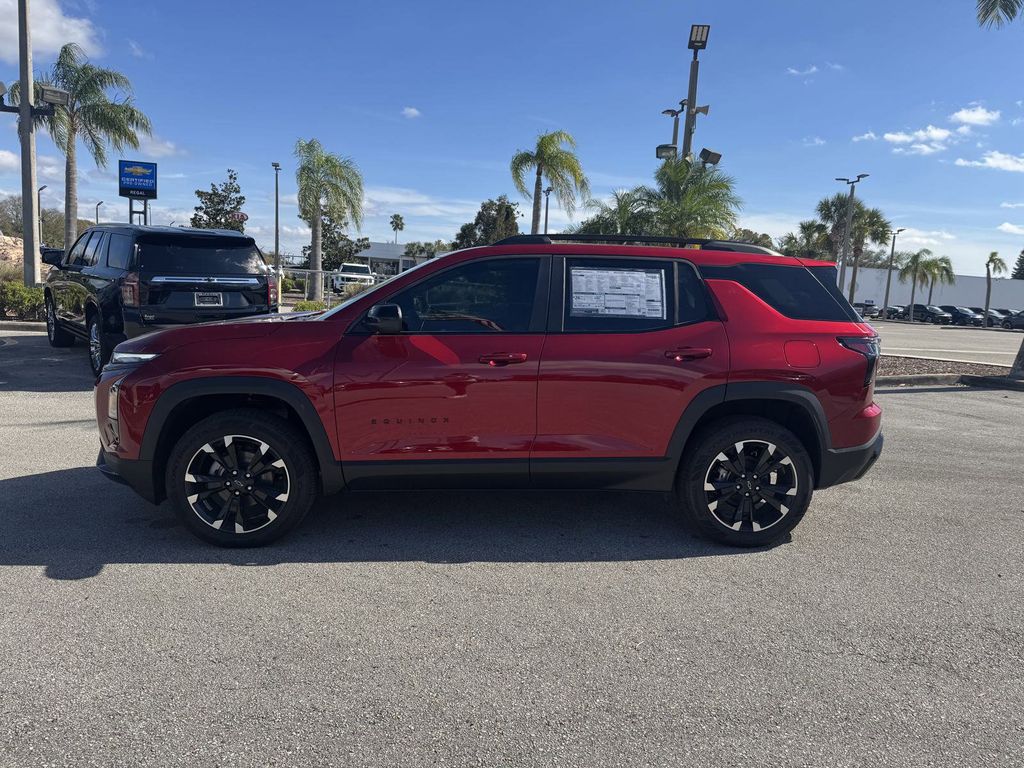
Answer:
(691, 201)
(328, 184)
(994, 265)
(397, 224)
(556, 163)
(995, 13)
(869, 225)
(832, 214)
(940, 270)
(90, 115)
(627, 214)
(915, 268)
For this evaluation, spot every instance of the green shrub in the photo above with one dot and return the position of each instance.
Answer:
(18, 302)
(10, 272)
(309, 306)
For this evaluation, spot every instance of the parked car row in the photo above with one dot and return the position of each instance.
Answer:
(946, 314)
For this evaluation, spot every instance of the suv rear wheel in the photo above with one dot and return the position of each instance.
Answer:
(57, 336)
(745, 482)
(241, 478)
(99, 346)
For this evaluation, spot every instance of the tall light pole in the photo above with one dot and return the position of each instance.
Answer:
(98, 211)
(888, 277)
(277, 220)
(547, 201)
(848, 233)
(39, 207)
(29, 212)
(698, 42)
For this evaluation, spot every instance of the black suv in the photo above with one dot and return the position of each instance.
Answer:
(929, 313)
(962, 315)
(119, 281)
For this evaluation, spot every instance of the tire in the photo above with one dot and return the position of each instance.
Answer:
(756, 518)
(99, 345)
(57, 336)
(1007, 325)
(287, 479)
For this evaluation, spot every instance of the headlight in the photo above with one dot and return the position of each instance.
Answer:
(112, 394)
(131, 358)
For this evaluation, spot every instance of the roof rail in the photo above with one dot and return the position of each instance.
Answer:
(717, 245)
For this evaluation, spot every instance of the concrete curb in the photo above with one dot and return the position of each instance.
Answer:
(976, 328)
(993, 382)
(944, 360)
(919, 380)
(22, 325)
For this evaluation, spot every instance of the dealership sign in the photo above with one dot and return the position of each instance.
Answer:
(136, 179)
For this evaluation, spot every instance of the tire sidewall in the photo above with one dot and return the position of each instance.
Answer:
(707, 446)
(281, 437)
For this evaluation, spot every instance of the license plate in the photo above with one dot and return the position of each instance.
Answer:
(209, 299)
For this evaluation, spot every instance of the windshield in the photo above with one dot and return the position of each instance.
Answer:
(358, 269)
(375, 290)
(965, 309)
(200, 256)
(933, 308)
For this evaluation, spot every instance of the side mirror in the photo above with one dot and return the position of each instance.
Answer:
(384, 318)
(52, 256)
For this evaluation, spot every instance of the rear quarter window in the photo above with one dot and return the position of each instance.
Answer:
(119, 252)
(801, 293)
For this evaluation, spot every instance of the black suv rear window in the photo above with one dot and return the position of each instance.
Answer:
(199, 256)
(802, 293)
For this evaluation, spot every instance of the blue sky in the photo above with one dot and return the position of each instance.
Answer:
(432, 99)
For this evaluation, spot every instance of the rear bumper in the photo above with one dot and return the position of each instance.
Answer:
(134, 326)
(844, 465)
(136, 474)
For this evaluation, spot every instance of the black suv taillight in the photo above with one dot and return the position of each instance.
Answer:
(869, 346)
(130, 290)
(271, 292)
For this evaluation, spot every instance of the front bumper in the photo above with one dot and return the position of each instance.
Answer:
(135, 473)
(844, 465)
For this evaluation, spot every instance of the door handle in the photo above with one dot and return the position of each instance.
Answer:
(503, 358)
(688, 353)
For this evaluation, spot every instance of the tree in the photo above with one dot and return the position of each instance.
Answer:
(495, 221)
(995, 13)
(869, 225)
(336, 247)
(689, 200)
(915, 270)
(327, 184)
(832, 215)
(51, 222)
(743, 235)
(810, 241)
(418, 250)
(940, 270)
(556, 163)
(1018, 267)
(994, 265)
(221, 207)
(627, 214)
(90, 114)
(397, 224)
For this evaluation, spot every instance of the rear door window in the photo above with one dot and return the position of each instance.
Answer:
(95, 246)
(119, 251)
(199, 256)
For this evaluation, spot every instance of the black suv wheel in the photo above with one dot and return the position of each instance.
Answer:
(241, 478)
(745, 482)
(56, 335)
(99, 345)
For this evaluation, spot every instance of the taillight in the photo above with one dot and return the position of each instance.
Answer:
(271, 292)
(130, 290)
(869, 346)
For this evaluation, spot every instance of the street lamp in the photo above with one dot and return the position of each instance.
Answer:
(98, 211)
(668, 151)
(277, 220)
(698, 42)
(547, 201)
(888, 277)
(848, 234)
(39, 210)
(709, 157)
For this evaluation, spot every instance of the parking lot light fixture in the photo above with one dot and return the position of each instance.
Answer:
(709, 157)
(699, 37)
(888, 277)
(98, 211)
(547, 201)
(848, 229)
(669, 151)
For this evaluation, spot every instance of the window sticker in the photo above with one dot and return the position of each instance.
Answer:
(617, 293)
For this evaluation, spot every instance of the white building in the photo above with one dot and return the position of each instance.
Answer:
(967, 291)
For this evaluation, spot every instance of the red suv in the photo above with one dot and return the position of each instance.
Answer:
(738, 378)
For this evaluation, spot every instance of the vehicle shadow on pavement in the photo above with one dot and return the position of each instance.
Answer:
(74, 521)
(29, 364)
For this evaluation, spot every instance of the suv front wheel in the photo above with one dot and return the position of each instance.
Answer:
(241, 478)
(745, 482)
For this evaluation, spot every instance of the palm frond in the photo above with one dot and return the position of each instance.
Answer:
(523, 161)
(995, 13)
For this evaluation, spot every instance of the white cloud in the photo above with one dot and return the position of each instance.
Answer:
(1011, 205)
(1017, 121)
(999, 160)
(775, 224)
(9, 161)
(410, 202)
(51, 29)
(50, 168)
(975, 115)
(925, 237)
(929, 133)
(869, 136)
(920, 149)
(138, 51)
(1011, 229)
(836, 67)
(410, 112)
(154, 146)
(964, 130)
(801, 72)
(813, 141)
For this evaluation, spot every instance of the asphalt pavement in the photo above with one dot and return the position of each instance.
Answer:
(513, 629)
(939, 342)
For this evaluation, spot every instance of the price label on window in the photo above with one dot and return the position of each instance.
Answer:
(617, 293)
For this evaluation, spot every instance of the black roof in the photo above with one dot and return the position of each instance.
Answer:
(139, 229)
